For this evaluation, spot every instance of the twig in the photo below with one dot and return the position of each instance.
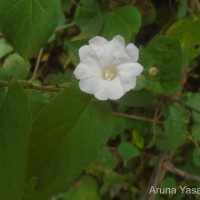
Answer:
(41, 51)
(183, 79)
(194, 142)
(191, 9)
(136, 117)
(170, 167)
(157, 176)
(30, 86)
(36, 65)
(163, 165)
(156, 117)
(187, 106)
(198, 4)
(182, 83)
(75, 3)
(64, 27)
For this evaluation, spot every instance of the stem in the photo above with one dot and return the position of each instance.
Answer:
(136, 117)
(37, 65)
(64, 27)
(187, 106)
(191, 9)
(198, 4)
(194, 142)
(157, 176)
(29, 86)
(170, 167)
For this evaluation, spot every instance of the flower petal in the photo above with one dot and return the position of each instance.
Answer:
(102, 92)
(131, 69)
(97, 41)
(116, 89)
(117, 45)
(113, 50)
(99, 45)
(90, 85)
(88, 56)
(131, 54)
(128, 82)
(83, 71)
(110, 90)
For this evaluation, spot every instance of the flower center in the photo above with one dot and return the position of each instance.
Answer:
(109, 73)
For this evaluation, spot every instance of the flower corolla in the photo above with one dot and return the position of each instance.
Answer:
(108, 69)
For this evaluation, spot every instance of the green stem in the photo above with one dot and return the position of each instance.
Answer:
(64, 27)
(136, 117)
(37, 65)
(29, 86)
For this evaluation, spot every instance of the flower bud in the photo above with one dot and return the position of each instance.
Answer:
(153, 71)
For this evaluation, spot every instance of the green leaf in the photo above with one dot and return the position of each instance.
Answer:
(127, 151)
(15, 128)
(146, 60)
(167, 56)
(116, 178)
(66, 137)
(196, 158)
(168, 182)
(53, 123)
(104, 161)
(37, 101)
(137, 99)
(138, 140)
(141, 82)
(66, 5)
(89, 17)
(14, 66)
(73, 47)
(193, 100)
(174, 130)
(119, 125)
(61, 78)
(150, 14)
(4, 48)
(29, 191)
(27, 24)
(182, 9)
(2, 95)
(187, 32)
(125, 21)
(86, 190)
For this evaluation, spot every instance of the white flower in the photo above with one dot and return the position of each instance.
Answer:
(108, 69)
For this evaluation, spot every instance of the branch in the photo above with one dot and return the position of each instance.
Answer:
(36, 65)
(176, 98)
(182, 173)
(187, 106)
(170, 167)
(30, 86)
(136, 117)
(157, 176)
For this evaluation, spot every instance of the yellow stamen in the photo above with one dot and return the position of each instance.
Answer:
(109, 74)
